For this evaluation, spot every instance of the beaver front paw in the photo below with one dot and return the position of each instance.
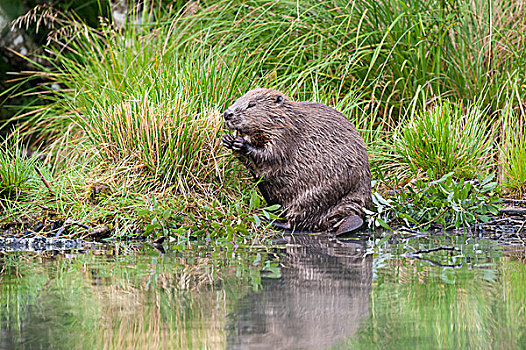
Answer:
(234, 143)
(228, 141)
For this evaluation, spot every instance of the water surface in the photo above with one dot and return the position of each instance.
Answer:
(309, 292)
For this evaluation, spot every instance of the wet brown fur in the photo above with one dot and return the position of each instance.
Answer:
(309, 157)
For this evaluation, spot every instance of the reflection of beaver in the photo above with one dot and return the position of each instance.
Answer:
(309, 157)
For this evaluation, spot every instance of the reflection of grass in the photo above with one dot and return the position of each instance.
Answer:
(141, 301)
(162, 320)
(415, 305)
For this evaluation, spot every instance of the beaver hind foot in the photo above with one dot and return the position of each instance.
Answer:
(349, 225)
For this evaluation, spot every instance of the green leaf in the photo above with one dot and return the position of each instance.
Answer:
(151, 227)
(230, 232)
(167, 213)
(442, 179)
(272, 216)
(408, 218)
(483, 218)
(488, 178)
(273, 207)
(143, 212)
(241, 229)
(272, 272)
(489, 187)
(253, 198)
(256, 220)
(383, 224)
(494, 210)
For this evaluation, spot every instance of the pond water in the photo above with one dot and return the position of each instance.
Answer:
(308, 292)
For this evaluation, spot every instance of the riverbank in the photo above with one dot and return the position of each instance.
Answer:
(51, 232)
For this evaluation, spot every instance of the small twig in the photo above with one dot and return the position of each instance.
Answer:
(68, 223)
(515, 211)
(437, 264)
(63, 228)
(520, 228)
(43, 180)
(496, 221)
(423, 251)
(515, 201)
(432, 220)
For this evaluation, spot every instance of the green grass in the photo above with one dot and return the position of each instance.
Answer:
(143, 117)
(137, 98)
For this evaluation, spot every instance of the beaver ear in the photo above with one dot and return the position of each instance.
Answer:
(279, 99)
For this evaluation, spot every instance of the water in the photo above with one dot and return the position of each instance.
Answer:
(307, 293)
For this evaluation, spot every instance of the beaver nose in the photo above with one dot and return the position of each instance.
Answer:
(228, 115)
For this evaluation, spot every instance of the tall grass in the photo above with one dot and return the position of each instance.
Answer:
(137, 97)
(369, 59)
(382, 61)
(389, 50)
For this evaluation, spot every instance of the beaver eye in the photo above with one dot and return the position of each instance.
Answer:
(251, 104)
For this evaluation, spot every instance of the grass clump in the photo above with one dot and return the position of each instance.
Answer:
(136, 96)
(513, 153)
(16, 170)
(442, 140)
(161, 137)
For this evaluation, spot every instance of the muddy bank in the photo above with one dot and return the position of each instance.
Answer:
(49, 231)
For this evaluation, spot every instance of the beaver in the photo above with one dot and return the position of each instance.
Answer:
(306, 157)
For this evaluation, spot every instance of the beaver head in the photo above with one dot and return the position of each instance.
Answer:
(257, 115)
